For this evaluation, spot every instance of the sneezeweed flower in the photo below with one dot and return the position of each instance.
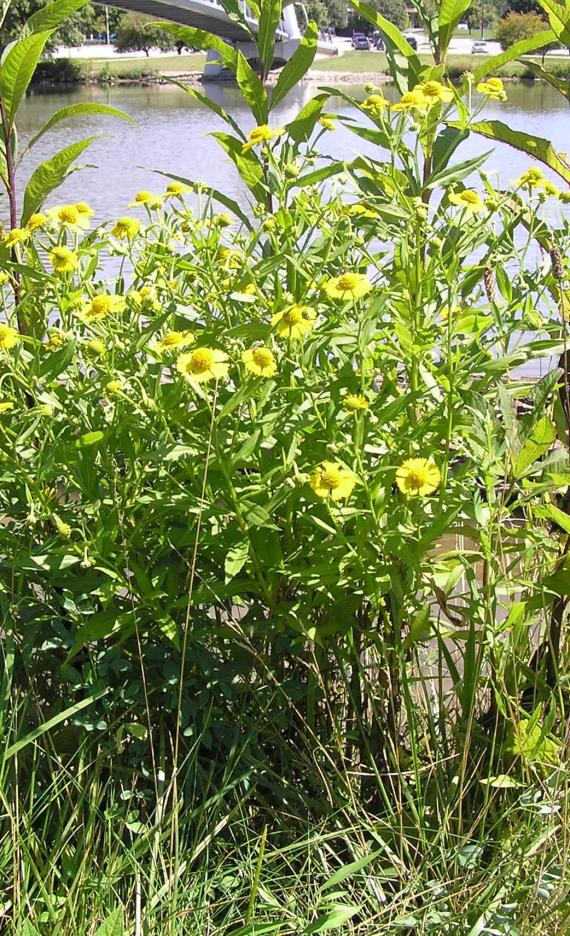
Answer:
(261, 134)
(126, 228)
(103, 305)
(45, 409)
(269, 224)
(223, 220)
(446, 311)
(9, 337)
(294, 321)
(172, 341)
(412, 100)
(357, 210)
(229, 259)
(16, 236)
(95, 347)
(355, 402)
(418, 477)
(146, 295)
(468, 199)
(328, 121)
(532, 178)
(55, 340)
(177, 188)
(84, 209)
(332, 480)
(4, 278)
(348, 286)
(549, 188)
(6, 406)
(143, 198)
(375, 104)
(63, 260)
(260, 361)
(203, 364)
(36, 222)
(492, 88)
(113, 387)
(70, 217)
(435, 92)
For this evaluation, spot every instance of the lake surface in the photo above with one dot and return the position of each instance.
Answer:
(171, 132)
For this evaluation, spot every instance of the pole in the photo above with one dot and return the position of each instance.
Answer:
(107, 25)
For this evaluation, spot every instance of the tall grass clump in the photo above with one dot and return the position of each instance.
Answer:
(285, 515)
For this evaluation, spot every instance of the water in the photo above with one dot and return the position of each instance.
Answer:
(172, 132)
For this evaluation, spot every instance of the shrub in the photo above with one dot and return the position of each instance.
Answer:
(517, 26)
(60, 71)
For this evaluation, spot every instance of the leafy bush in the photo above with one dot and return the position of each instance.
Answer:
(515, 27)
(60, 71)
(284, 565)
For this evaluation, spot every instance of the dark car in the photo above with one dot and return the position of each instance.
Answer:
(412, 41)
(360, 42)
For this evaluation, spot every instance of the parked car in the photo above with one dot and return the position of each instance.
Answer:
(412, 41)
(360, 42)
(479, 46)
(463, 27)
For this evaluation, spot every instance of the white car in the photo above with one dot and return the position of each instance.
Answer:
(463, 27)
(478, 46)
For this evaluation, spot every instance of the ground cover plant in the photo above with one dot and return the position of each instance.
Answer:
(285, 521)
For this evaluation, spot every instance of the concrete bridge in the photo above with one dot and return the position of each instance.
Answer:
(211, 16)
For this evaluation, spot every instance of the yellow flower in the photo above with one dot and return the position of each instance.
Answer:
(16, 236)
(435, 92)
(260, 361)
(142, 198)
(261, 134)
(36, 221)
(6, 406)
(62, 528)
(549, 188)
(70, 217)
(375, 103)
(412, 99)
(469, 199)
(144, 295)
(445, 312)
(103, 305)
(84, 209)
(348, 286)
(96, 347)
(4, 278)
(56, 340)
(126, 228)
(229, 259)
(8, 337)
(493, 88)
(177, 188)
(173, 340)
(223, 220)
(532, 178)
(63, 260)
(203, 364)
(44, 409)
(354, 402)
(294, 321)
(113, 387)
(418, 477)
(328, 121)
(332, 480)
(357, 210)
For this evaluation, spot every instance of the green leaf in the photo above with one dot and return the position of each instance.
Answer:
(28, 929)
(450, 14)
(251, 88)
(537, 444)
(559, 83)
(49, 175)
(348, 870)
(297, 66)
(200, 39)
(445, 145)
(16, 71)
(536, 147)
(53, 562)
(113, 925)
(301, 127)
(509, 55)
(247, 164)
(53, 722)
(405, 65)
(550, 512)
(501, 782)
(559, 18)
(236, 558)
(214, 194)
(89, 438)
(331, 919)
(52, 15)
(74, 110)
(270, 14)
(456, 172)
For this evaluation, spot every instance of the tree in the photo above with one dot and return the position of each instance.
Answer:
(327, 12)
(517, 26)
(86, 22)
(137, 33)
(393, 10)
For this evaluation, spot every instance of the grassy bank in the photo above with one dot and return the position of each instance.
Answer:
(360, 63)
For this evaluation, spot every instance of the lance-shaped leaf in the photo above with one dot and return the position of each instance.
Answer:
(212, 193)
(405, 66)
(247, 164)
(268, 22)
(52, 15)
(16, 71)
(514, 52)
(561, 84)
(298, 65)
(301, 127)
(450, 14)
(49, 175)
(74, 110)
(559, 18)
(200, 39)
(536, 147)
(252, 88)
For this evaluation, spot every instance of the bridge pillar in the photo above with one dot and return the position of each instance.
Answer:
(213, 66)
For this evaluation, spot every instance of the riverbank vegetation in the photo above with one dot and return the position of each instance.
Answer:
(285, 518)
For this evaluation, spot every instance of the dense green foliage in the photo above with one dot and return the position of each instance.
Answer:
(518, 26)
(284, 566)
(136, 33)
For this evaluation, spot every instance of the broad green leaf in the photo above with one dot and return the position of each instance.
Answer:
(297, 66)
(53, 722)
(535, 446)
(405, 65)
(301, 127)
(332, 919)
(49, 175)
(236, 558)
(74, 110)
(53, 562)
(251, 88)
(270, 14)
(247, 164)
(561, 84)
(450, 14)
(52, 15)
(509, 55)
(536, 147)
(456, 172)
(550, 512)
(200, 39)
(559, 18)
(445, 145)
(28, 929)
(4, 7)
(89, 438)
(17, 69)
(113, 925)
(501, 782)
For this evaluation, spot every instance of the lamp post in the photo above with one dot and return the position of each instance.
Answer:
(107, 25)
